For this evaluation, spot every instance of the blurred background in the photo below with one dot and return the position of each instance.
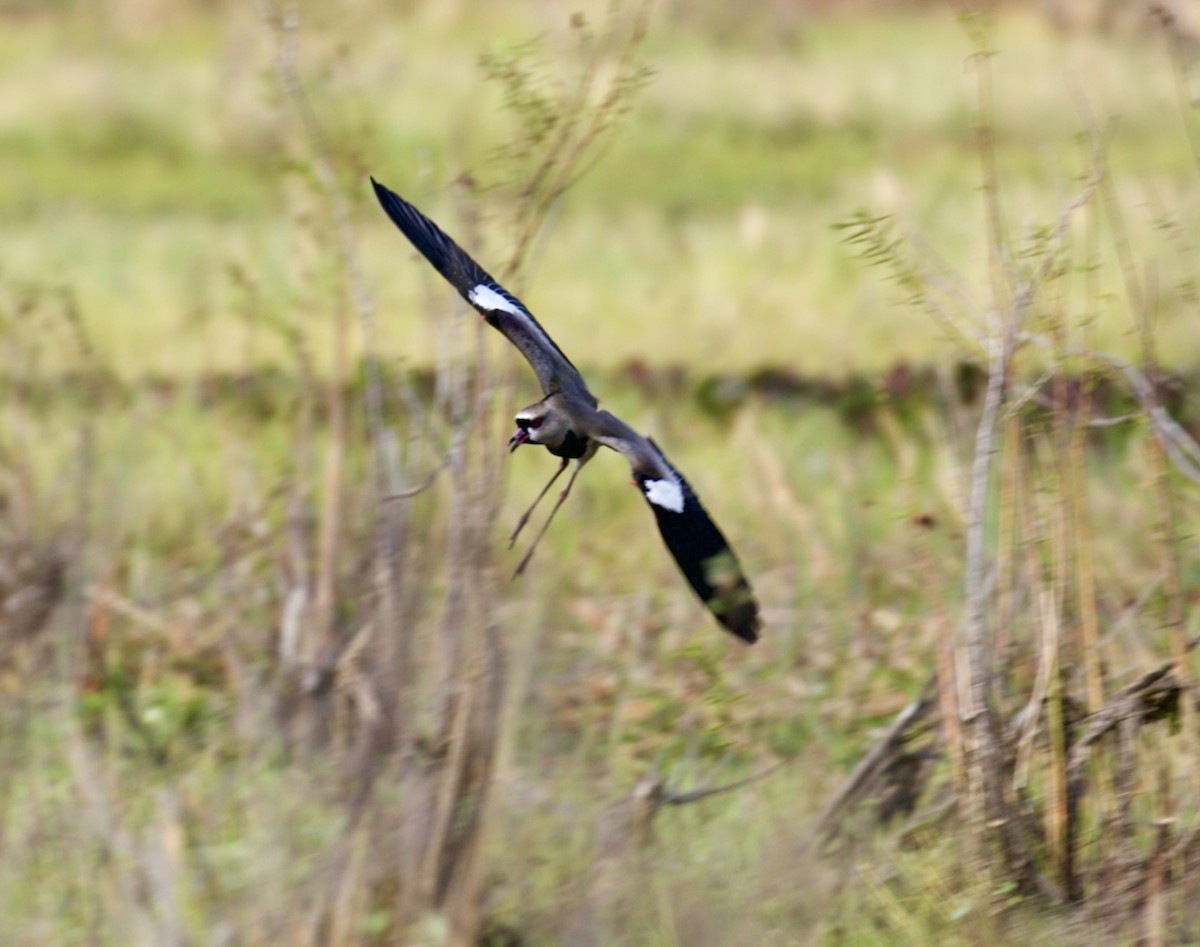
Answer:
(908, 292)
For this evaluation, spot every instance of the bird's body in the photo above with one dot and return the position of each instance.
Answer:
(570, 424)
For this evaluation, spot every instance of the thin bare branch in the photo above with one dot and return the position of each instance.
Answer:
(695, 795)
(423, 485)
(868, 768)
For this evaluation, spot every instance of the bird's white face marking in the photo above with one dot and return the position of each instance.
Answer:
(487, 298)
(664, 493)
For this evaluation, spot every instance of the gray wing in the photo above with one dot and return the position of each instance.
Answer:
(498, 306)
(700, 549)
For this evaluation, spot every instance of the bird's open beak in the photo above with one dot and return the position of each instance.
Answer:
(520, 436)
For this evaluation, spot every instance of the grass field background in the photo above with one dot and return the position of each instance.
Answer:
(170, 292)
(154, 158)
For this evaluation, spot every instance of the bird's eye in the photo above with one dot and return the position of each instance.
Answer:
(536, 423)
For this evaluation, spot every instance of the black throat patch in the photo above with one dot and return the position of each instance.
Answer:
(573, 446)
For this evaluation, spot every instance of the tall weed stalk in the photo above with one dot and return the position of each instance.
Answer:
(1051, 718)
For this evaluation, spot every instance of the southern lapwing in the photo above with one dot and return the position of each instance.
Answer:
(569, 424)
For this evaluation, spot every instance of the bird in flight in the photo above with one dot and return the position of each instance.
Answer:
(569, 423)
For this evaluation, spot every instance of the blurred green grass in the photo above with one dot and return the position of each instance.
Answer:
(151, 160)
(625, 672)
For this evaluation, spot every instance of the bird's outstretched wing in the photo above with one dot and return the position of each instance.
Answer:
(701, 550)
(498, 306)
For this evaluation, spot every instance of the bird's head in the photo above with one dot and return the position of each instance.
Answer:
(538, 424)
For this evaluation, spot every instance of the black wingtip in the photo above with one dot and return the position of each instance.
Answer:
(447, 257)
(743, 621)
(383, 194)
(400, 211)
(732, 600)
(706, 560)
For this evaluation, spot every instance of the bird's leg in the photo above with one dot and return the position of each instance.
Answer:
(542, 532)
(532, 506)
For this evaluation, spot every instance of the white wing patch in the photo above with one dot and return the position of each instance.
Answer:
(665, 493)
(487, 298)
